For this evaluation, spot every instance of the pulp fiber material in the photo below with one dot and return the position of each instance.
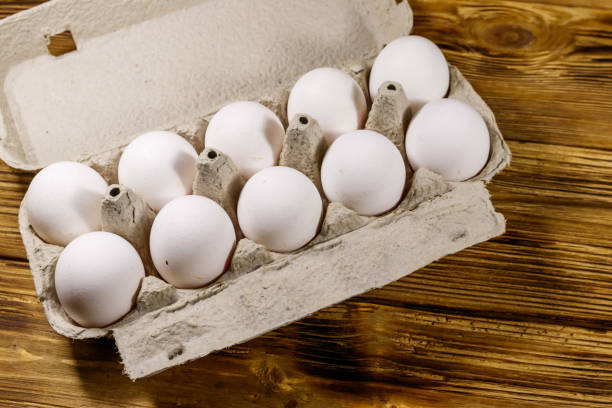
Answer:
(71, 108)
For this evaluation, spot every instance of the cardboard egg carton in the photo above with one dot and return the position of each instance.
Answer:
(165, 64)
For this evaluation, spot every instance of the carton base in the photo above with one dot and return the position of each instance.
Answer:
(279, 293)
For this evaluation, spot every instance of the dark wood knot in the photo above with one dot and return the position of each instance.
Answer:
(509, 36)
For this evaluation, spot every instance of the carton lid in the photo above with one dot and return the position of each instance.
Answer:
(143, 65)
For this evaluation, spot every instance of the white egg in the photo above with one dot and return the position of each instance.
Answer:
(249, 133)
(450, 138)
(159, 166)
(332, 97)
(64, 200)
(417, 64)
(364, 171)
(191, 241)
(280, 208)
(97, 278)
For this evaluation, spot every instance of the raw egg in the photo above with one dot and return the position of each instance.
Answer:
(64, 200)
(191, 240)
(332, 97)
(280, 208)
(159, 166)
(417, 64)
(249, 133)
(364, 171)
(448, 137)
(97, 278)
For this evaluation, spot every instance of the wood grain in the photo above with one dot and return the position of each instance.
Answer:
(522, 321)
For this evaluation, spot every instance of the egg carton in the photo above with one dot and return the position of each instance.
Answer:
(262, 290)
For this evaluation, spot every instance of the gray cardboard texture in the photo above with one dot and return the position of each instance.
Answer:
(390, 115)
(262, 290)
(304, 148)
(219, 179)
(327, 273)
(151, 65)
(126, 214)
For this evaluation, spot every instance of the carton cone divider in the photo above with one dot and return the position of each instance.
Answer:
(218, 178)
(126, 214)
(390, 115)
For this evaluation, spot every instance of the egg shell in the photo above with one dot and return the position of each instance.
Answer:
(448, 137)
(97, 278)
(331, 97)
(417, 64)
(191, 241)
(249, 133)
(364, 171)
(159, 166)
(64, 200)
(280, 208)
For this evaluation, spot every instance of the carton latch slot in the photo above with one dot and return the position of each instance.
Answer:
(60, 44)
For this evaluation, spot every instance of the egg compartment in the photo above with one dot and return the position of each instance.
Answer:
(262, 290)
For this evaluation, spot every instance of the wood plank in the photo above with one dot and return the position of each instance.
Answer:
(9, 7)
(380, 339)
(13, 185)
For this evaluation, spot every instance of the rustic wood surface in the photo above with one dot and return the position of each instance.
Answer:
(524, 320)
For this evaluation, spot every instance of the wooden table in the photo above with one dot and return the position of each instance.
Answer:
(524, 320)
